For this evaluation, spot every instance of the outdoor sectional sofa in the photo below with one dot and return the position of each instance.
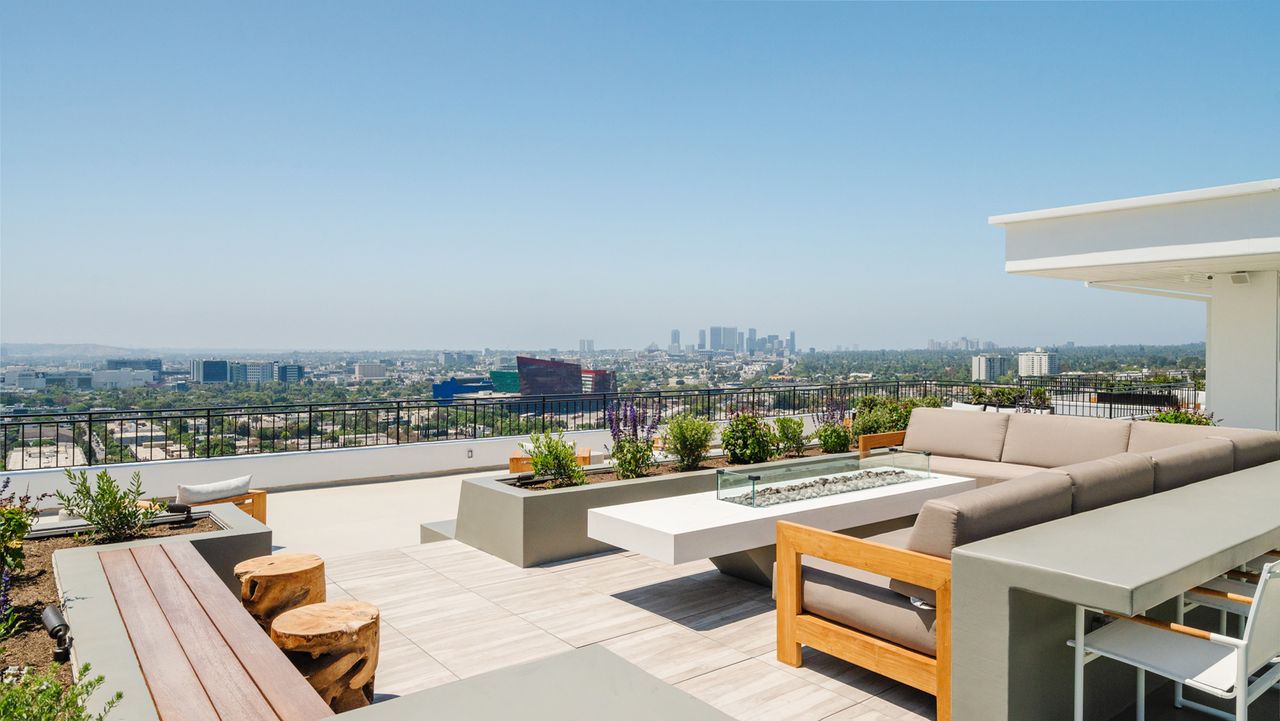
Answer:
(884, 603)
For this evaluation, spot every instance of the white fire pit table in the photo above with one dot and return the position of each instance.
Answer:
(739, 539)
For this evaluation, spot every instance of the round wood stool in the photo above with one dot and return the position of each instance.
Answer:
(271, 585)
(335, 647)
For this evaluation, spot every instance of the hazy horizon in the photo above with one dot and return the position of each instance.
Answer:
(416, 176)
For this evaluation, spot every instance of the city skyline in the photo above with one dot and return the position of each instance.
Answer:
(232, 182)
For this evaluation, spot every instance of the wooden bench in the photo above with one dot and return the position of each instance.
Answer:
(202, 655)
(520, 462)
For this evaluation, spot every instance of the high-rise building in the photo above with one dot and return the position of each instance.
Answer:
(289, 372)
(675, 341)
(1038, 362)
(989, 367)
(210, 371)
(751, 340)
(365, 371)
(717, 337)
(742, 342)
(598, 381)
(791, 342)
(141, 364)
(702, 340)
(539, 376)
(729, 337)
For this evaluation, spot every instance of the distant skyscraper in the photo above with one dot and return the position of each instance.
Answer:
(675, 341)
(742, 342)
(142, 364)
(989, 367)
(717, 337)
(791, 342)
(259, 372)
(702, 340)
(210, 371)
(370, 370)
(586, 346)
(730, 338)
(289, 372)
(751, 340)
(1038, 363)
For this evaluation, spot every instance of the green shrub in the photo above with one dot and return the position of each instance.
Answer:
(41, 696)
(688, 438)
(1006, 396)
(552, 456)
(978, 395)
(789, 435)
(888, 415)
(1184, 416)
(747, 439)
(1040, 398)
(632, 457)
(113, 511)
(17, 515)
(833, 437)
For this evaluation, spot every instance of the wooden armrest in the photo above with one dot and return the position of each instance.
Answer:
(870, 441)
(916, 568)
(1224, 595)
(1164, 625)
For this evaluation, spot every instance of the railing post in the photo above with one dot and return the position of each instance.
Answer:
(399, 405)
(311, 425)
(208, 433)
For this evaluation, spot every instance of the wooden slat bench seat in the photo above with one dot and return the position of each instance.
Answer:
(202, 655)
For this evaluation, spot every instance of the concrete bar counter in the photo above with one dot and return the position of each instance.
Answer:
(1014, 595)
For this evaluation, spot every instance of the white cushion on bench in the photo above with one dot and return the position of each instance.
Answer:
(206, 492)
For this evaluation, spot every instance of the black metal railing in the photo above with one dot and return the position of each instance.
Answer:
(59, 440)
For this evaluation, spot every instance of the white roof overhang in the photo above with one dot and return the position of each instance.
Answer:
(1167, 244)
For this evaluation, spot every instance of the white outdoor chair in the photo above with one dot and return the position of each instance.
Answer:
(1214, 663)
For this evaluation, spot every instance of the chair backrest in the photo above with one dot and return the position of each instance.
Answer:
(1262, 631)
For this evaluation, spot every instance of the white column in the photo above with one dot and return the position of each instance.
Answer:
(1243, 351)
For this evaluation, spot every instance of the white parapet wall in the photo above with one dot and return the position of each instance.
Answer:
(302, 468)
(334, 466)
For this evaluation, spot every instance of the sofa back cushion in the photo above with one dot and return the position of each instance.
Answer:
(1052, 441)
(1150, 436)
(1252, 447)
(1187, 463)
(1104, 481)
(945, 523)
(958, 434)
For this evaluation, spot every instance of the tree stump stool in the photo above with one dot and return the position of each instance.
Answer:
(271, 585)
(335, 647)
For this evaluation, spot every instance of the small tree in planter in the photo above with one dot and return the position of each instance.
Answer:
(553, 457)
(747, 439)
(632, 428)
(114, 512)
(789, 435)
(688, 438)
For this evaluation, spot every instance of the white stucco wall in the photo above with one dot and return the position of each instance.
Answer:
(1243, 353)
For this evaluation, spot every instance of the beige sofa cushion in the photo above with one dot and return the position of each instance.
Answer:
(1187, 463)
(1252, 447)
(864, 601)
(1104, 481)
(1052, 441)
(945, 523)
(1149, 435)
(958, 434)
(985, 473)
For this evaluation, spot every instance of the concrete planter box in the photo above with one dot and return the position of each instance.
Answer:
(529, 528)
(100, 638)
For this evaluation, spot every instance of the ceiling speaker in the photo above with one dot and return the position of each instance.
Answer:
(1240, 278)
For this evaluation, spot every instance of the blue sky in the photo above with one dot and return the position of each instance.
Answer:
(422, 175)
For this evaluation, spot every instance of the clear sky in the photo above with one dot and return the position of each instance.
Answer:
(421, 175)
